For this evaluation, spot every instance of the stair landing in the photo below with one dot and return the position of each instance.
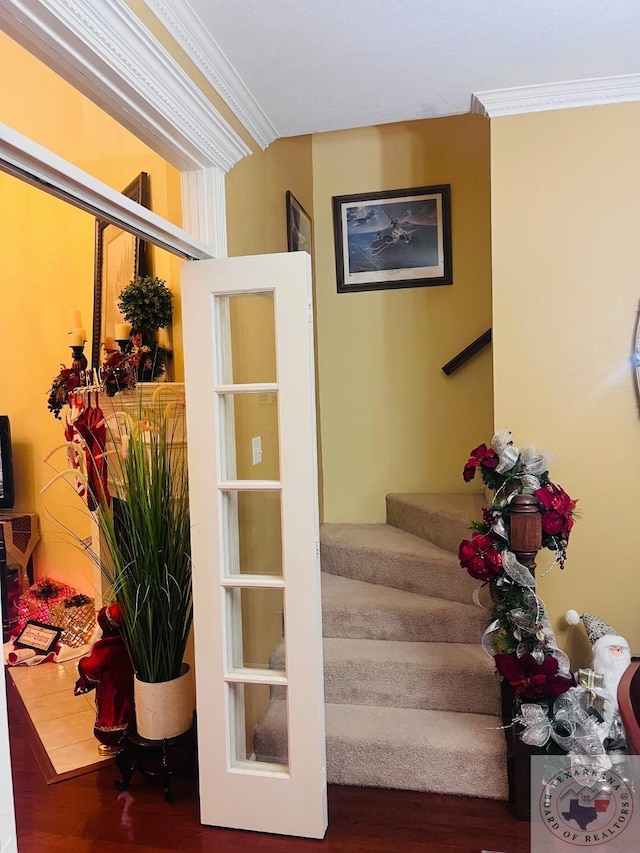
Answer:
(440, 518)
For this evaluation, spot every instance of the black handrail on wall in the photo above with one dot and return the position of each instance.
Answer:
(467, 353)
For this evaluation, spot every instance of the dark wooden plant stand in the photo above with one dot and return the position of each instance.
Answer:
(162, 758)
(525, 542)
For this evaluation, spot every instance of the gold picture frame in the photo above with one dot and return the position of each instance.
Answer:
(119, 258)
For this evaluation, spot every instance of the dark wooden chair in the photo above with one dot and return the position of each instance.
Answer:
(629, 704)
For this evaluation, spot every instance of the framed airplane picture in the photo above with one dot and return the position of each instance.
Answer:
(393, 239)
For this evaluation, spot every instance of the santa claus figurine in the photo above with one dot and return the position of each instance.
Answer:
(611, 657)
(107, 669)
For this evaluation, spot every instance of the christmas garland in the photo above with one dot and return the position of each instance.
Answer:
(520, 637)
(116, 374)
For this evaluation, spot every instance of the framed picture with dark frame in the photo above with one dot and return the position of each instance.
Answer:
(393, 239)
(39, 636)
(299, 226)
(119, 257)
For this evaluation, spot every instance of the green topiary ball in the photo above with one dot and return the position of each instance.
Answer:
(146, 303)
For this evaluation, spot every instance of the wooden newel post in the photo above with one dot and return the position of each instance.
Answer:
(525, 530)
(525, 540)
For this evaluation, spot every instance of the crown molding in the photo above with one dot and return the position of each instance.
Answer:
(557, 96)
(192, 36)
(105, 51)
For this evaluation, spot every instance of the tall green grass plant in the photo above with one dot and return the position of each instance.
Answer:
(145, 545)
(147, 539)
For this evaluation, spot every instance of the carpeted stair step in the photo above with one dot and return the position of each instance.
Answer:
(366, 611)
(441, 518)
(430, 676)
(406, 748)
(385, 555)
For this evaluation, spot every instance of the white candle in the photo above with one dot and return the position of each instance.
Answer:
(122, 331)
(82, 332)
(75, 339)
(74, 319)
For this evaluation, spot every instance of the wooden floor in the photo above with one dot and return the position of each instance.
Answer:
(87, 815)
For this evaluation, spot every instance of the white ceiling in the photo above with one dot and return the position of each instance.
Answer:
(316, 65)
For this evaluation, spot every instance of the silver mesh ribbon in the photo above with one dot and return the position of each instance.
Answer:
(516, 571)
(508, 458)
(488, 640)
(533, 601)
(533, 461)
(524, 622)
(500, 528)
(537, 725)
(507, 452)
(530, 484)
(570, 726)
(573, 728)
(537, 625)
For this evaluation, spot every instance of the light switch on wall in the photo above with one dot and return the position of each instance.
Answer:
(256, 449)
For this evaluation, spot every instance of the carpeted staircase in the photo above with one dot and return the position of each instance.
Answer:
(411, 698)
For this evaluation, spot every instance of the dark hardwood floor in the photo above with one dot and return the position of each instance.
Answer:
(88, 815)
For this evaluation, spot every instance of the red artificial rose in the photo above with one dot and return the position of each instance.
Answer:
(482, 455)
(530, 679)
(557, 510)
(552, 523)
(72, 380)
(479, 556)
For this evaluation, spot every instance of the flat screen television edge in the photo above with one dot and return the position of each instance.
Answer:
(7, 493)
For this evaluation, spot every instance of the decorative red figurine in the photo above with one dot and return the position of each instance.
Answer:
(108, 669)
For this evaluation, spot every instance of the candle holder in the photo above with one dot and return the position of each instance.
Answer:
(122, 343)
(79, 363)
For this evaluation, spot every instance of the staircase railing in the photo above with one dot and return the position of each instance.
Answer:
(525, 542)
(468, 352)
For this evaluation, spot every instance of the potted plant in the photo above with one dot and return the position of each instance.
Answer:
(146, 303)
(146, 536)
(145, 556)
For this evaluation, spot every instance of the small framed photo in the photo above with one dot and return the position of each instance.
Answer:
(38, 636)
(396, 238)
(299, 226)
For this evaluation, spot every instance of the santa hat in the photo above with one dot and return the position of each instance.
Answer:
(599, 633)
(110, 618)
(595, 628)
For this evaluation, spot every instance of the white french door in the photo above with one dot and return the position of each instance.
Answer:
(248, 348)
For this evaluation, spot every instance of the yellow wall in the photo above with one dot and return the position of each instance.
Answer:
(391, 421)
(256, 188)
(47, 250)
(566, 282)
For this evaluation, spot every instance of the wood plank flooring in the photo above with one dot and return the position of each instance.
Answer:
(87, 815)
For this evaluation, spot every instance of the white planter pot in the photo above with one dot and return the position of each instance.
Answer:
(164, 709)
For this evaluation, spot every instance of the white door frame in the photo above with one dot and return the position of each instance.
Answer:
(104, 50)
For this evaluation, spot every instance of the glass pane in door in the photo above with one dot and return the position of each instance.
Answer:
(250, 425)
(252, 533)
(256, 620)
(259, 728)
(247, 322)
